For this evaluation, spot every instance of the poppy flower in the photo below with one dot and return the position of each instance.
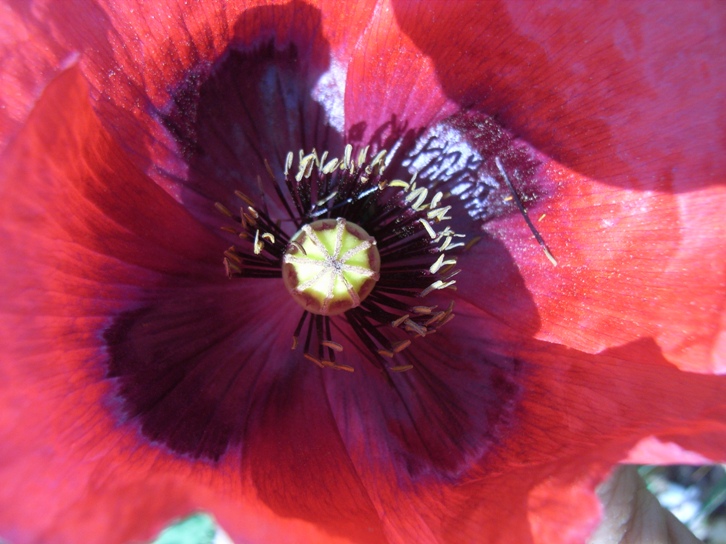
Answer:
(165, 164)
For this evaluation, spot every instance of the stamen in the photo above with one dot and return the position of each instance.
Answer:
(258, 245)
(230, 254)
(315, 360)
(223, 209)
(321, 161)
(269, 171)
(399, 321)
(247, 200)
(299, 247)
(429, 229)
(248, 220)
(398, 347)
(439, 214)
(436, 199)
(231, 269)
(362, 154)
(399, 183)
(332, 345)
(348, 153)
(330, 167)
(523, 211)
(438, 316)
(440, 263)
(379, 161)
(422, 193)
(412, 326)
(471, 243)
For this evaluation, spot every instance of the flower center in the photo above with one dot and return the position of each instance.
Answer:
(367, 249)
(331, 266)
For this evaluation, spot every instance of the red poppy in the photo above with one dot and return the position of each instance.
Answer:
(140, 383)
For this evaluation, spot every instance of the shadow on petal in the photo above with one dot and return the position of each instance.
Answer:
(614, 94)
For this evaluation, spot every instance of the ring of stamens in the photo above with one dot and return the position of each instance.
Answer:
(398, 218)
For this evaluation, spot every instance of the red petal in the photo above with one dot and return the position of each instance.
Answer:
(355, 431)
(563, 510)
(491, 283)
(29, 58)
(631, 93)
(619, 97)
(300, 464)
(578, 416)
(589, 410)
(56, 292)
(391, 87)
(631, 264)
(601, 406)
(380, 447)
(60, 281)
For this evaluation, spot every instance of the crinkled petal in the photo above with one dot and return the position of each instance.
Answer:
(332, 448)
(635, 113)
(563, 509)
(232, 125)
(575, 403)
(631, 264)
(651, 450)
(103, 264)
(578, 415)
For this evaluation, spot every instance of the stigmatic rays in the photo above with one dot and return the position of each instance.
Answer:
(331, 266)
(364, 249)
